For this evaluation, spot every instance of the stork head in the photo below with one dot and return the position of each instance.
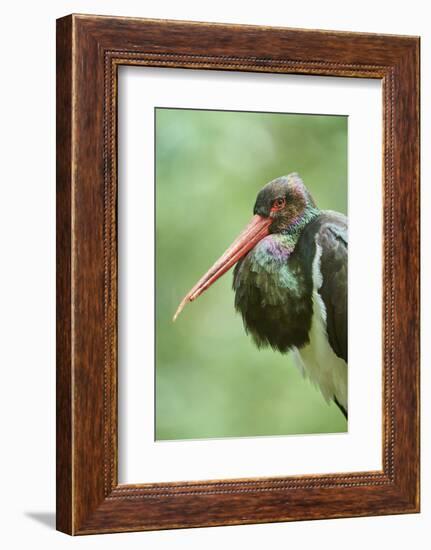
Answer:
(286, 202)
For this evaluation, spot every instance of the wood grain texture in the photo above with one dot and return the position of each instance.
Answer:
(64, 496)
(90, 49)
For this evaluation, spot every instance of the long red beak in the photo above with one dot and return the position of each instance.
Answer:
(256, 230)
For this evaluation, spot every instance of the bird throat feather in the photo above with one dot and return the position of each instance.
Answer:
(273, 293)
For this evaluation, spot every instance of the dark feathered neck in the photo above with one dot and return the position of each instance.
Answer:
(293, 231)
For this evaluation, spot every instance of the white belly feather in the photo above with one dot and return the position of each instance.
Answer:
(317, 360)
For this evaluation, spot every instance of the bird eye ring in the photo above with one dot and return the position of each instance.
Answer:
(278, 204)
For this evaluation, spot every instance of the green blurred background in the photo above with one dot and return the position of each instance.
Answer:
(211, 381)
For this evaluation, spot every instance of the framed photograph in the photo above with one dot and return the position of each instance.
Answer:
(237, 274)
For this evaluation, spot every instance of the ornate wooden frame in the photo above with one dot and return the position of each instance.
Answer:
(89, 51)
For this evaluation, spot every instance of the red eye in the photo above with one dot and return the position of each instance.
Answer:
(278, 204)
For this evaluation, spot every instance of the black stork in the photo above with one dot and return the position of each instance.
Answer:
(290, 282)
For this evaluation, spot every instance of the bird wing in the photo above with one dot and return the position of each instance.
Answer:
(332, 244)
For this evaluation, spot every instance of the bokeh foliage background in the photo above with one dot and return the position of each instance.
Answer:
(211, 381)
